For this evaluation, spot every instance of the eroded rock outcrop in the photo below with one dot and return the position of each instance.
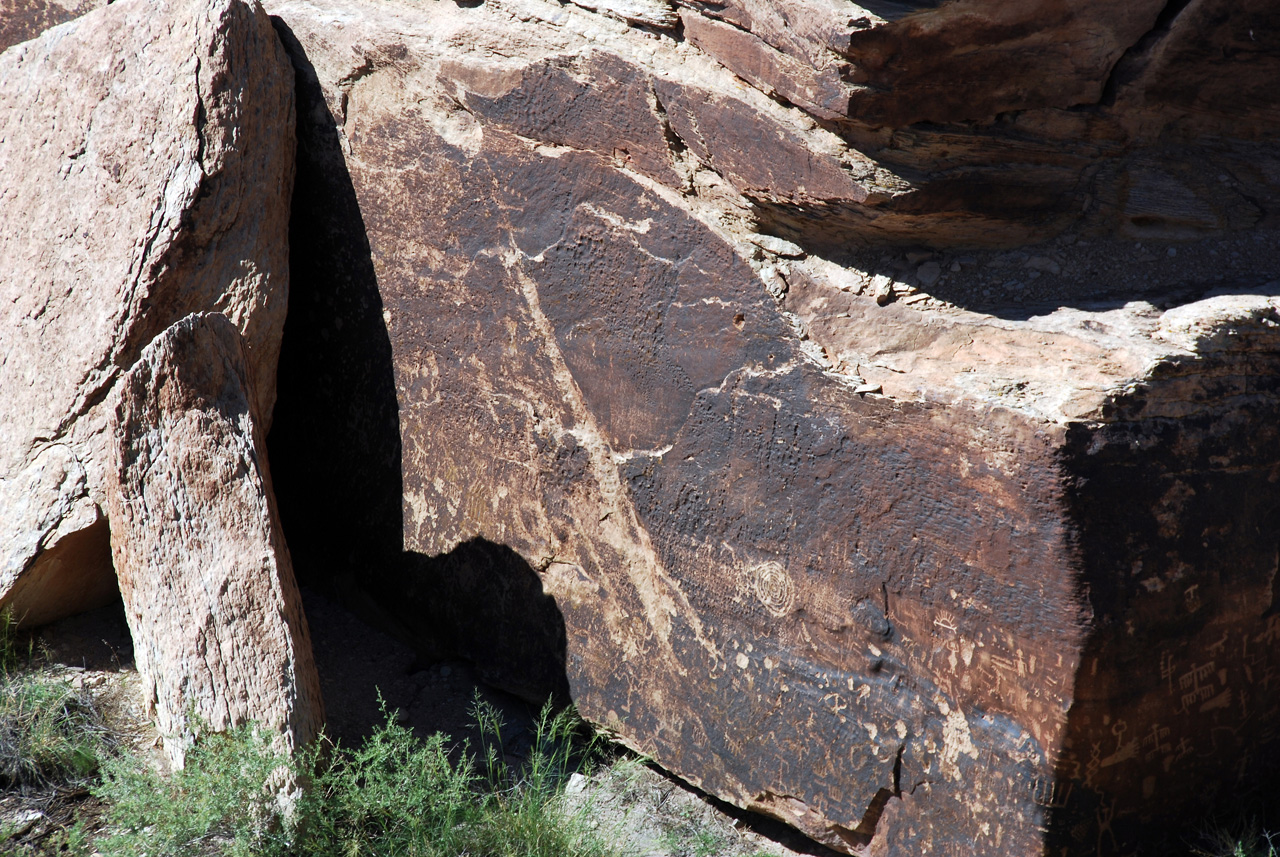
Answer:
(1004, 122)
(913, 577)
(146, 162)
(219, 635)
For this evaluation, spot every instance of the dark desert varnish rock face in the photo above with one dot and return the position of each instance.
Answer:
(1012, 598)
(21, 20)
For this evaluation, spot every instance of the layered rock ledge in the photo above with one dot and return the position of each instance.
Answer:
(915, 570)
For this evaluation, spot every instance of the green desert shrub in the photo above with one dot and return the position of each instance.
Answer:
(1246, 839)
(222, 801)
(51, 733)
(398, 796)
(394, 796)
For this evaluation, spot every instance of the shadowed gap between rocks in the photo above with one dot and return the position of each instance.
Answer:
(75, 576)
(336, 452)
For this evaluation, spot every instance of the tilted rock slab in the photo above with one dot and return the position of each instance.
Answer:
(219, 635)
(914, 581)
(146, 166)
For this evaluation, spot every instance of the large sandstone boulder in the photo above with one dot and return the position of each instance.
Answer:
(219, 635)
(914, 575)
(146, 164)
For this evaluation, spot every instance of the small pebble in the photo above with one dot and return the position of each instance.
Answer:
(1044, 264)
(928, 273)
(577, 784)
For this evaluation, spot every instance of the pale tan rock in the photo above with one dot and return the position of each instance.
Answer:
(146, 166)
(653, 13)
(217, 622)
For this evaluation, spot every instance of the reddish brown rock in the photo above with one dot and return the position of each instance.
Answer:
(911, 577)
(146, 161)
(1207, 69)
(216, 619)
(21, 20)
(905, 63)
(826, 96)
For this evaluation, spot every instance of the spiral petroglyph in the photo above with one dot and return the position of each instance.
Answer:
(774, 588)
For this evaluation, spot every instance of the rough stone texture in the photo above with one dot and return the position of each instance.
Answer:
(216, 618)
(902, 63)
(653, 13)
(146, 154)
(914, 578)
(957, 61)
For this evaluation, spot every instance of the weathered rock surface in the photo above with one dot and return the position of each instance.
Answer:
(218, 629)
(146, 161)
(1012, 598)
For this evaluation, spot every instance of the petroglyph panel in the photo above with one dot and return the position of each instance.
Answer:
(911, 623)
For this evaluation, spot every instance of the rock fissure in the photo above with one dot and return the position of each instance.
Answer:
(1123, 70)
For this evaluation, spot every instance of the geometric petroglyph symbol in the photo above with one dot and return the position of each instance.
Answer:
(774, 588)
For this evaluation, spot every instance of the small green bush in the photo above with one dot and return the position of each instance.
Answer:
(1246, 839)
(395, 796)
(51, 733)
(400, 797)
(221, 802)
